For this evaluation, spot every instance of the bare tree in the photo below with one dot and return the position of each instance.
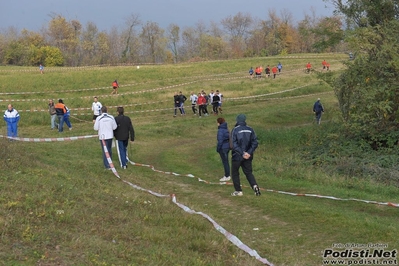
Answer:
(190, 43)
(173, 32)
(131, 22)
(89, 44)
(154, 42)
(238, 27)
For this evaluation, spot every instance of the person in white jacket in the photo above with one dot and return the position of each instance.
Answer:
(105, 124)
(11, 116)
(96, 108)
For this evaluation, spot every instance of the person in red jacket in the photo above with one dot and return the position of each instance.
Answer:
(324, 64)
(274, 70)
(308, 67)
(201, 101)
(115, 87)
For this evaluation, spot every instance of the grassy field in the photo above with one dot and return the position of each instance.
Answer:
(59, 206)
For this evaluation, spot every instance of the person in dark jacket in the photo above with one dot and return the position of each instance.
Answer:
(176, 99)
(122, 133)
(317, 110)
(244, 144)
(182, 99)
(215, 103)
(60, 110)
(223, 147)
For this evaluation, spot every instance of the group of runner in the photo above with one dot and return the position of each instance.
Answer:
(268, 71)
(199, 103)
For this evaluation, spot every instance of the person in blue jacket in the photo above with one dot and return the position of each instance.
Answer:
(11, 116)
(223, 147)
(318, 109)
(279, 67)
(66, 118)
(244, 144)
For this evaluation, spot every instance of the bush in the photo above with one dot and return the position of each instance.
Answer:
(333, 148)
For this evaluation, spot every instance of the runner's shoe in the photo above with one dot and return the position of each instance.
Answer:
(257, 190)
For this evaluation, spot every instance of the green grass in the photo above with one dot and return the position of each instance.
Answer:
(58, 206)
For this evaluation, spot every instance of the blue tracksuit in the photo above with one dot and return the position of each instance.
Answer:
(11, 118)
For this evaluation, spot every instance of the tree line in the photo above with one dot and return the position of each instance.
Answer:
(64, 42)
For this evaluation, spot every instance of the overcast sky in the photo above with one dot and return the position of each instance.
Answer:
(33, 14)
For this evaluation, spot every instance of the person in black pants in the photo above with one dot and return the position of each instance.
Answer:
(244, 144)
(215, 103)
(122, 133)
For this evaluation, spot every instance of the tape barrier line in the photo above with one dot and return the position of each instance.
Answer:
(150, 103)
(127, 85)
(391, 204)
(102, 88)
(232, 238)
(271, 93)
(111, 164)
(48, 139)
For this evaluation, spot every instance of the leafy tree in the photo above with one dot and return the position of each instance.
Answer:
(15, 54)
(53, 56)
(328, 33)
(368, 91)
(364, 13)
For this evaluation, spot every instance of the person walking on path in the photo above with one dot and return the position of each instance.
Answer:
(96, 108)
(53, 114)
(11, 116)
(318, 109)
(244, 144)
(223, 147)
(105, 125)
(122, 133)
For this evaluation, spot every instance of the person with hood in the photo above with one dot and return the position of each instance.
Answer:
(223, 147)
(317, 110)
(244, 144)
(11, 116)
(122, 133)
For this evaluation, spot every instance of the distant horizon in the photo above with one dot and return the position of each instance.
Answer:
(33, 15)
